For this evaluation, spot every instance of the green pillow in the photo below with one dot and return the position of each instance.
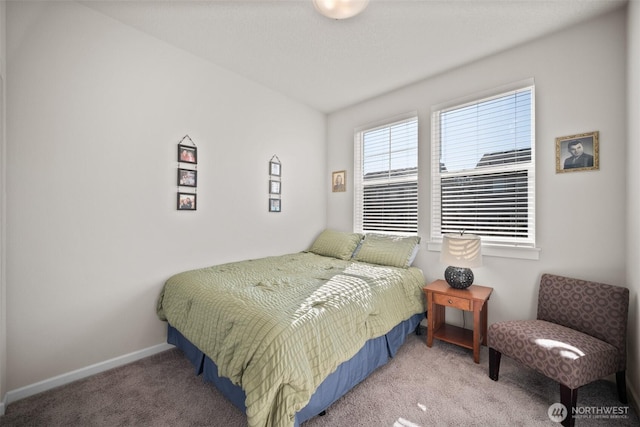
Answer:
(396, 251)
(336, 244)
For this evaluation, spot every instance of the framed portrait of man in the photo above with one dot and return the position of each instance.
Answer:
(579, 152)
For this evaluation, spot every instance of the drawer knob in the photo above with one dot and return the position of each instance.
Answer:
(450, 302)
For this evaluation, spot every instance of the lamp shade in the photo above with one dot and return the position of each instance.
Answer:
(340, 9)
(461, 250)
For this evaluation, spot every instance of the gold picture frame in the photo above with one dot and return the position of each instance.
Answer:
(579, 152)
(339, 181)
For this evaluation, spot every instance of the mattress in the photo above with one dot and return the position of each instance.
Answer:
(277, 327)
(374, 354)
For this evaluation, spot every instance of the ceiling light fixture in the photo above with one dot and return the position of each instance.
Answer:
(340, 9)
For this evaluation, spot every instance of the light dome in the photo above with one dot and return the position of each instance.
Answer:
(340, 9)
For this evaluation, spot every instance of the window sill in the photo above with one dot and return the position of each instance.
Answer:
(502, 251)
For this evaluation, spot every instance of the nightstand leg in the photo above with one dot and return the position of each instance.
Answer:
(431, 318)
(485, 310)
(477, 308)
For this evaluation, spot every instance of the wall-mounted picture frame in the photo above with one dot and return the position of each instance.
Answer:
(187, 201)
(275, 168)
(275, 205)
(579, 152)
(187, 177)
(339, 181)
(187, 154)
(274, 187)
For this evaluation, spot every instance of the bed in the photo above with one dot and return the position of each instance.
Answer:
(285, 336)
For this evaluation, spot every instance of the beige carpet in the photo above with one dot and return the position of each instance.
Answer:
(421, 386)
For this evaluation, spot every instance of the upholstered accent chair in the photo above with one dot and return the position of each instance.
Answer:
(579, 336)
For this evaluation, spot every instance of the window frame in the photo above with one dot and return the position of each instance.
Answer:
(359, 181)
(509, 247)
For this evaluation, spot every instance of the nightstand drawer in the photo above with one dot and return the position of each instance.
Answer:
(449, 301)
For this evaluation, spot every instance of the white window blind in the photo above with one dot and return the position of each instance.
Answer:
(483, 168)
(386, 178)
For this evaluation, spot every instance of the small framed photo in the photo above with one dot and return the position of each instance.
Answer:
(274, 205)
(339, 181)
(274, 187)
(187, 178)
(187, 201)
(275, 168)
(187, 154)
(578, 153)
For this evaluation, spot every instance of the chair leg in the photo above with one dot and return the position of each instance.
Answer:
(622, 386)
(494, 363)
(569, 398)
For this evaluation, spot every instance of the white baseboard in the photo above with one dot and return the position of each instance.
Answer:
(39, 387)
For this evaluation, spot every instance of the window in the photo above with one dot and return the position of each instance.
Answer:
(386, 177)
(483, 168)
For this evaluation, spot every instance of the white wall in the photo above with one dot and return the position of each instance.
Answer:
(580, 77)
(3, 299)
(95, 110)
(633, 196)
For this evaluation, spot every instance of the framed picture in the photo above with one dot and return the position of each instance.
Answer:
(274, 168)
(338, 181)
(187, 178)
(577, 153)
(186, 201)
(274, 205)
(274, 187)
(187, 154)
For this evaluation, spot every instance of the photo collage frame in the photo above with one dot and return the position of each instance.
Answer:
(187, 178)
(275, 184)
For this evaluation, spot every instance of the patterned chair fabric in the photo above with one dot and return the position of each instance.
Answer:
(578, 337)
(562, 354)
(597, 309)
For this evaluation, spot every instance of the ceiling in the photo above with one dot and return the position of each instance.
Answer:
(329, 64)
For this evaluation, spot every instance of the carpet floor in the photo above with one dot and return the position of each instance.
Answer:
(421, 386)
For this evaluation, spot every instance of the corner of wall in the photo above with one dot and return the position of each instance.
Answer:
(633, 201)
(3, 303)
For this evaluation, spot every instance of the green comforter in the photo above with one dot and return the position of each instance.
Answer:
(278, 326)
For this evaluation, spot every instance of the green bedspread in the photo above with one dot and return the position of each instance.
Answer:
(278, 326)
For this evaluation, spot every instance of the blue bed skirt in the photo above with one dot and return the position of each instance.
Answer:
(372, 355)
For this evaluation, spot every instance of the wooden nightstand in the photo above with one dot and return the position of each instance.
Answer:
(475, 298)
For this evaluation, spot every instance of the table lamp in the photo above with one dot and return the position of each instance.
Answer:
(460, 252)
